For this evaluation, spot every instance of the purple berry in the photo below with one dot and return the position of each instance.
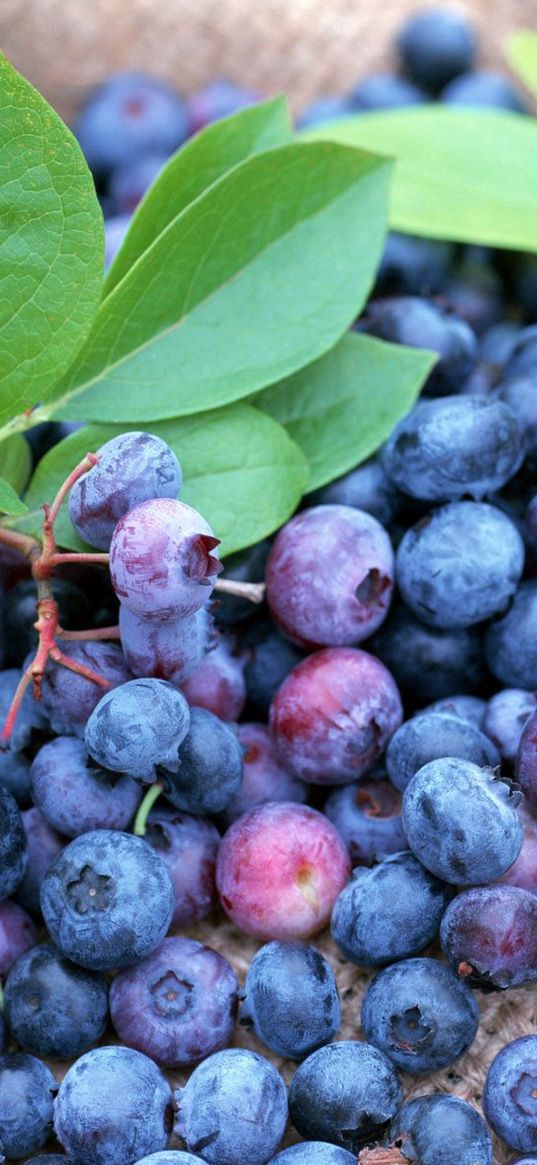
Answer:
(526, 760)
(188, 847)
(523, 872)
(489, 935)
(169, 651)
(17, 935)
(44, 844)
(69, 699)
(218, 99)
(76, 796)
(218, 683)
(264, 777)
(510, 1094)
(368, 817)
(506, 716)
(130, 115)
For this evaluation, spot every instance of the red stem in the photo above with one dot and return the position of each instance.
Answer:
(97, 633)
(60, 557)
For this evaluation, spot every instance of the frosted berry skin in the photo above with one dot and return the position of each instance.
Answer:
(431, 735)
(470, 708)
(15, 777)
(290, 999)
(346, 1093)
(422, 323)
(169, 1157)
(13, 848)
(489, 935)
(427, 662)
(264, 777)
(53, 1008)
(162, 560)
(279, 870)
(170, 651)
(269, 664)
(390, 912)
(453, 447)
(44, 844)
(526, 760)
(436, 45)
(178, 1005)
(107, 900)
(334, 714)
(113, 1105)
(506, 716)
(510, 1094)
(17, 934)
(462, 822)
(368, 817)
(365, 488)
(209, 768)
(460, 565)
(218, 683)
(233, 1109)
(511, 641)
(31, 714)
(188, 847)
(76, 797)
(523, 872)
(314, 1153)
(441, 1130)
(420, 1014)
(137, 727)
(317, 604)
(26, 1091)
(69, 699)
(131, 468)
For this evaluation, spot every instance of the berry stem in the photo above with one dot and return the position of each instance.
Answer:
(58, 657)
(146, 805)
(96, 633)
(255, 592)
(60, 557)
(87, 463)
(26, 545)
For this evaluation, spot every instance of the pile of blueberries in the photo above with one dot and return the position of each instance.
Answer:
(243, 760)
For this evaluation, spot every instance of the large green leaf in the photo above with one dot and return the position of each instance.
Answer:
(51, 246)
(460, 174)
(341, 408)
(10, 502)
(241, 471)
(15, 461)
(256, 278)
(196, 166)
(522, 56)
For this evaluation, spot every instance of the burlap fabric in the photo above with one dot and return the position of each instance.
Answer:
(303, 48)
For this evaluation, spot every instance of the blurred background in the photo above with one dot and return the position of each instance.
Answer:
(301, 47)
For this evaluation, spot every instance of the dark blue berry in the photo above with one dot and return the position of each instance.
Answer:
(26, 1090)
(389, 912)
(107, 900)
(68, 699)
(44, 844)
(188, 847)
(420, 1014)
(431, 735)
(486, 90)
(233, 1109)
(209, 769)
(75, 796)
(19, 614)
(506, 716)
(30, 717)
(511, 641)
(138, 726)
(314, 1153)
(510, 1094)
(365, 488)
(441, 1130)
(113, 1105)
(271, 661)
(53, 1008)
(412, 266)
(435, 45)
(421, 323)
(13, 848)
(368, 817)
(384, 91)
(132, 114)
(427, 662)
(290, 999)
(347, 1093)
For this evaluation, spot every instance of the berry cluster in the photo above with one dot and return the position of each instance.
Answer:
(358, 752)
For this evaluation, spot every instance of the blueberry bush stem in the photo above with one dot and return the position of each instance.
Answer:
(150, 797)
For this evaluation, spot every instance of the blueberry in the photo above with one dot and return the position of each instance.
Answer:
(220, 98)
(169, 1157)
(420, 1014)
(130, 181)
(52, 1159)
(484, 89)
(489, 935)
(421, 323)
(522, 361)
(314, 1153)
(520, 393)
(365, 488)
(511, 641)
(68, 699)
(15, 777)
(218, 683)
(498, 342)
(441, 1130)
(271, 661)
(326, 108)
(457, 446)
(170, 651)
(526, 760)
(506, 716)
(138, 726)
(209, 770)
(107, 900)
(53, 1008)
(233, 1109)
(188, 847)
(264, 777)
(26, 1090)
(460, 565)
(346, 1093)
(431, 735)
(461, 821)
(30, 717)
(389, 912)
(132, 114)
(131, 468)
(469, 708)
(19, 614)
(13, 848)
(412, 266)
(178, 1005)
(113, 1105)
(436, 45)
(510, 1094)
(290, 999)
(368, 817)
(76, 797)
(44, 844)
(384, 91)
(17, 934)
(427, 662)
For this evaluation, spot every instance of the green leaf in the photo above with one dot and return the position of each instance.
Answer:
(521, 51)
(341, 409)
(241, 471)
(460, 173)
(256, 278)
(51, 246)
(199, 163)
(10, 502)
(15, 461)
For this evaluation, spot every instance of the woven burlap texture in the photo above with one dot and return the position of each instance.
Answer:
(303, 48)
(300, 47)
